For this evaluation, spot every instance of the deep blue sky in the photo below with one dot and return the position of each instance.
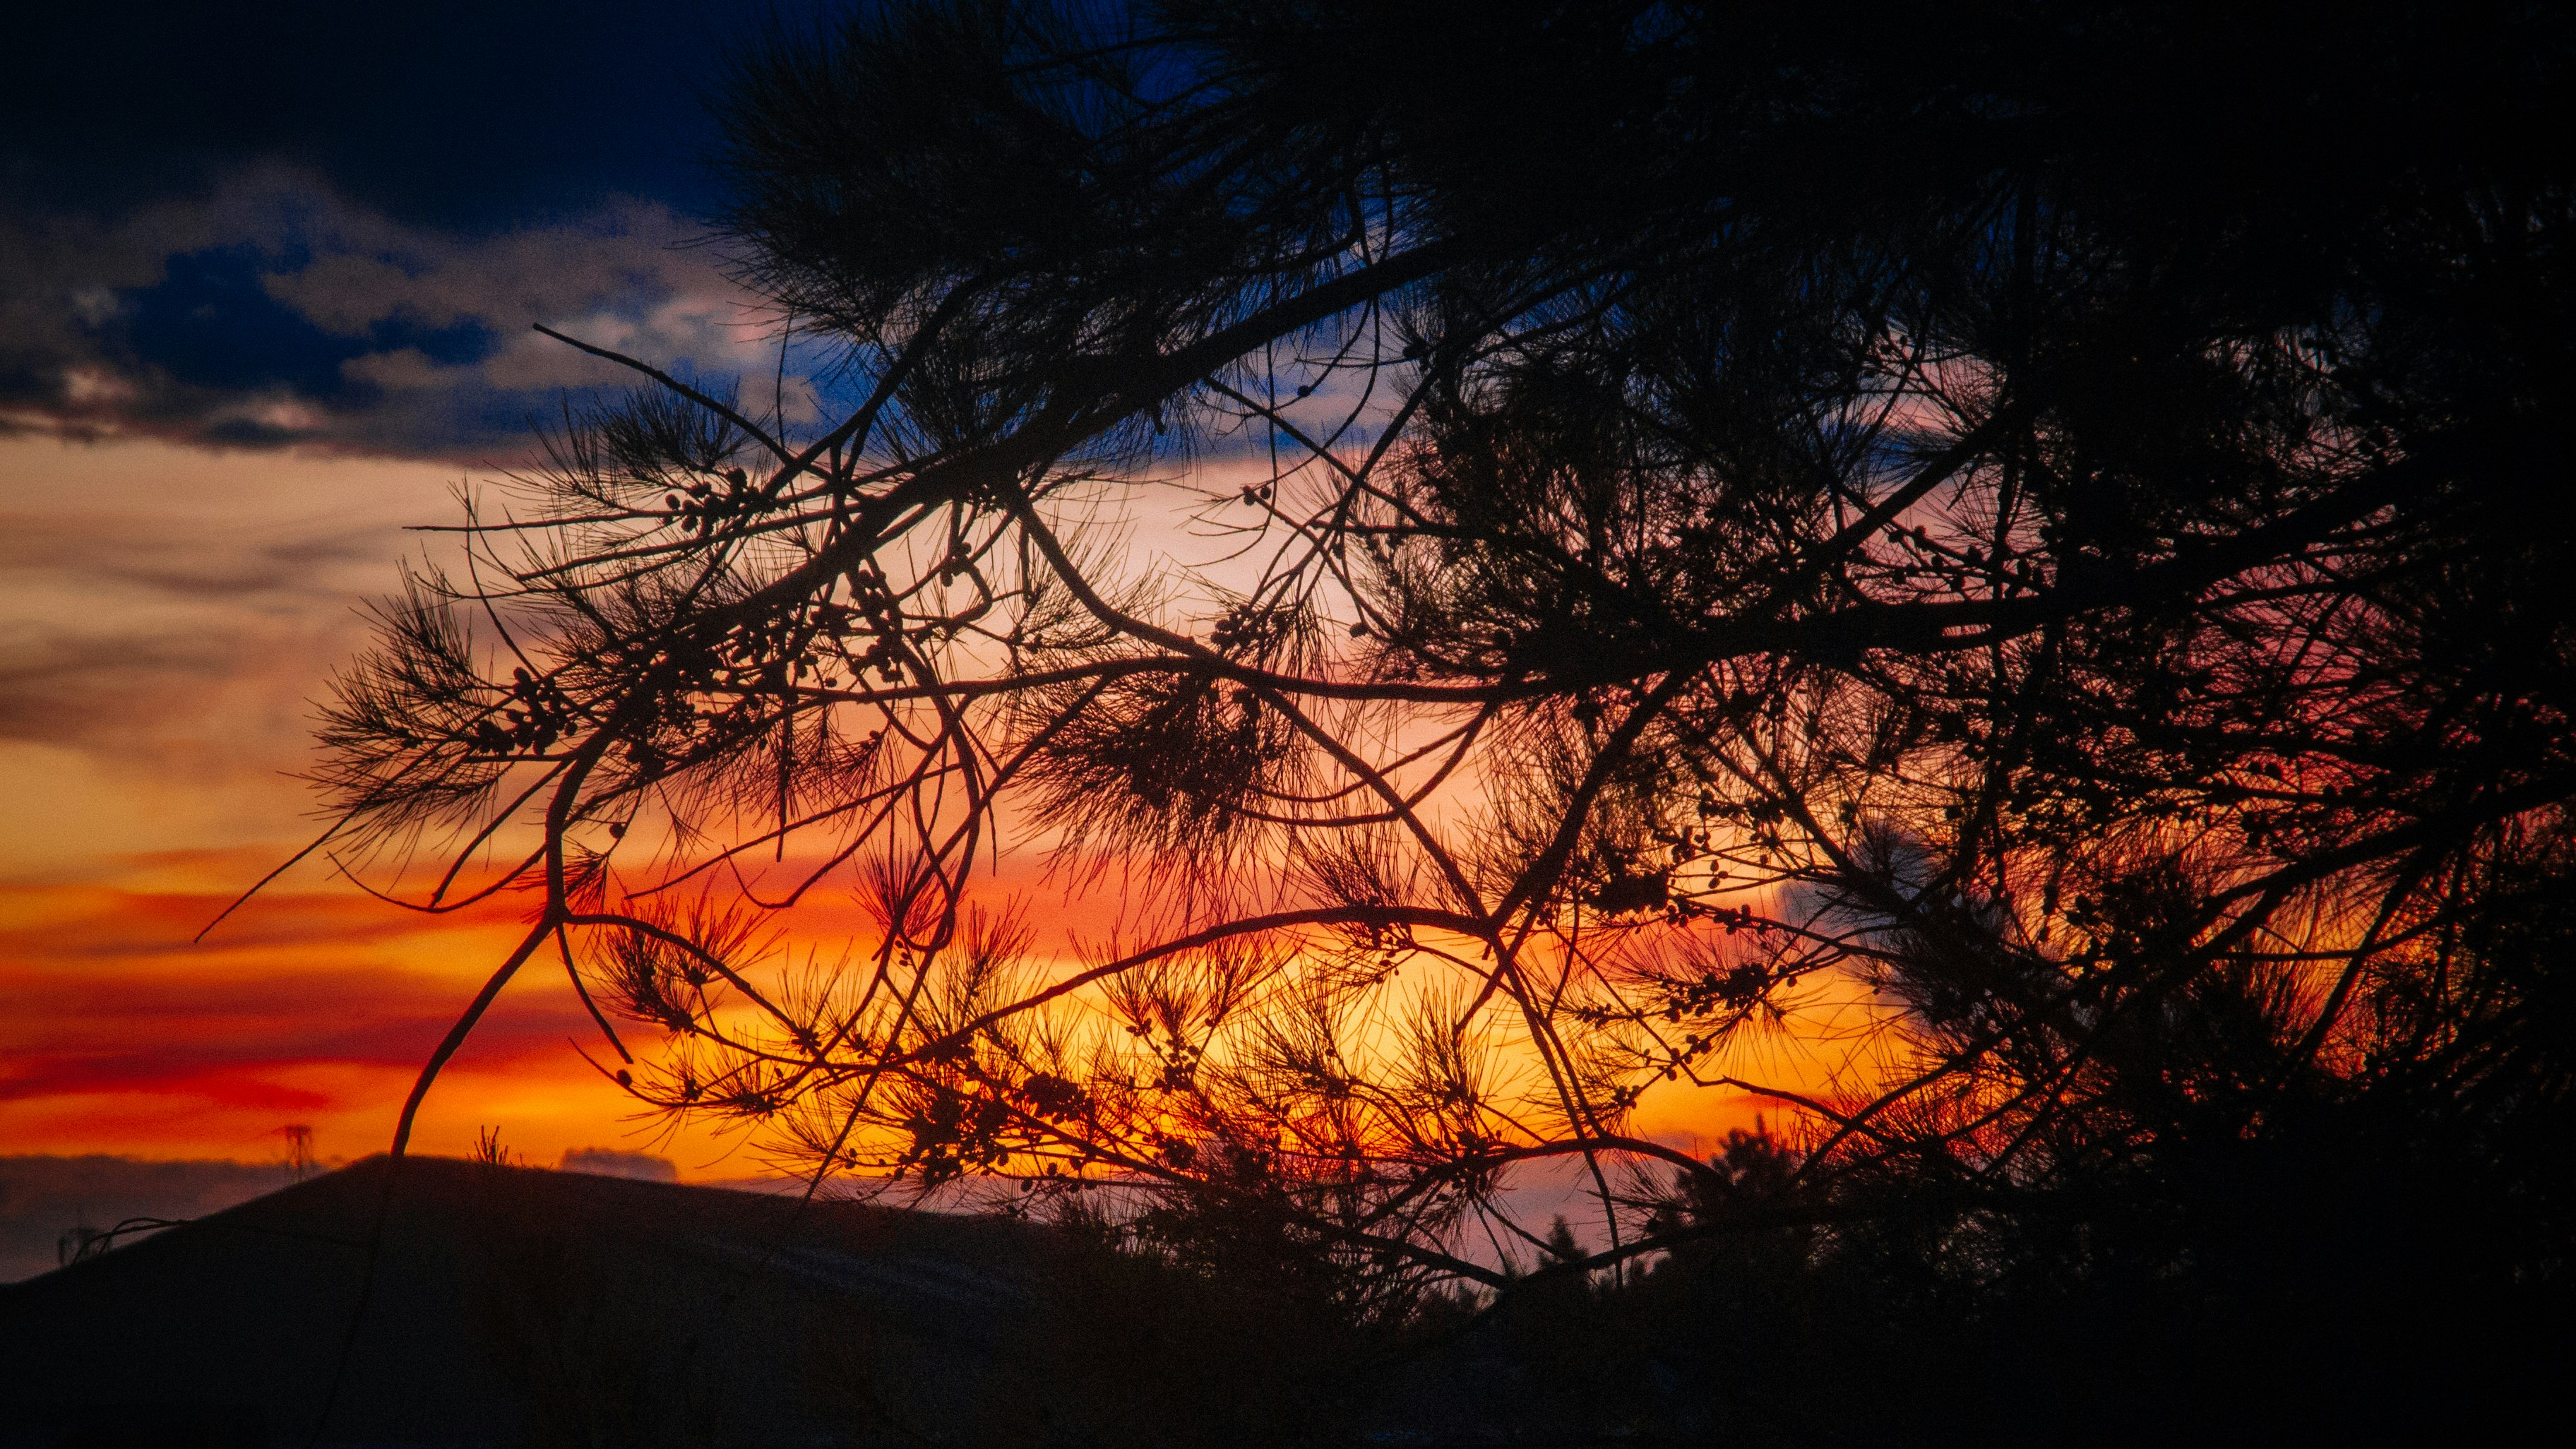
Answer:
(470, 114)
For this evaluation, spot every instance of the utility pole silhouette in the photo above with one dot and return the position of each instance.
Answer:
(299, 1151)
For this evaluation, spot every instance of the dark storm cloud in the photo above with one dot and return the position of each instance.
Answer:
(251, 225)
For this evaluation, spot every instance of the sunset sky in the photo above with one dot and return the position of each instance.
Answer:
(264, 301)
(262, 306)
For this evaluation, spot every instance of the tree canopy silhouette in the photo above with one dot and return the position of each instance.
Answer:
(1983, 577)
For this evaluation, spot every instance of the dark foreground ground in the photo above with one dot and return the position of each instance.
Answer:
(510, 1306)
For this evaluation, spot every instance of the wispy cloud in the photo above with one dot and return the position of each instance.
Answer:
(120, 1032)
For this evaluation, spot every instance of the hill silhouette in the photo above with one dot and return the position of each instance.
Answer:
(512, 1305)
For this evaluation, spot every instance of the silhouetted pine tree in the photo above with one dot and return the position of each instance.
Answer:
(2015, 545)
